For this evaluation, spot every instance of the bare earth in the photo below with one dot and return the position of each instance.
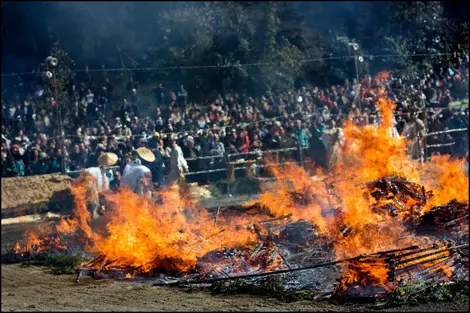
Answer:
(34, 289)
(32, 189)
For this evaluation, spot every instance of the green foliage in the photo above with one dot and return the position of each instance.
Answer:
(423, 28)
(59, 263)
(230, 34)
(57, 88)
(269, 287)
(417, 292)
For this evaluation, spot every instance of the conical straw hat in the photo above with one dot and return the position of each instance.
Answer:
(146, 154)
(107, 159)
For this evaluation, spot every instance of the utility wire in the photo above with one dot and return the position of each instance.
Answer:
(186, 67)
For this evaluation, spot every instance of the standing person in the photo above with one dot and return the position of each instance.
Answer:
(316, 147)
(90, 100)
(138, 177)
(415, 132)
(158, 166)
(135, 102)
(301, 137)
(160, 95)
(191, 152)
(42, 167)
(100, 181)
(15, 167)
(182, 98)
(178, 165)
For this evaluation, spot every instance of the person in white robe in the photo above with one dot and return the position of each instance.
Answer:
(100, 181)
(138, 177)
(178, 164)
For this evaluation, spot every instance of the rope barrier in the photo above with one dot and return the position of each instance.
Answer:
(78, 171)
(206, 171)
(239, 168)
(187, 67)
(446, 131)
(260, 153)
(206, 157)
(441, 145)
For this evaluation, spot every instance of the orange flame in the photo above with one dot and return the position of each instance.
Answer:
(172, 236)
(366, 153)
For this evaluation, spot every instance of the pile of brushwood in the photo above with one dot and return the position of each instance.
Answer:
(410, 294)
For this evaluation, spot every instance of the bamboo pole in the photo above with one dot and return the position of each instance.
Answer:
(278, 271)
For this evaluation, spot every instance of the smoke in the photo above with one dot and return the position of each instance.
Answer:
(92, 32)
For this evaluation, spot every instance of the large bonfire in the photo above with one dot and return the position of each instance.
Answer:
(173, 234)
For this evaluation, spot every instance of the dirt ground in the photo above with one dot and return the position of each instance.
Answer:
(32, 189)
(34, 289)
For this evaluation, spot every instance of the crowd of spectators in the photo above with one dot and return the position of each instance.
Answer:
(310, 118)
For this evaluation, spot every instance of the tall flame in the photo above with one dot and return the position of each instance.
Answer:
(172, 235)
(169, 236)
(365, 154)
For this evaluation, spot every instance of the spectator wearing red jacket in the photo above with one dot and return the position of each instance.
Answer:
(245, 141)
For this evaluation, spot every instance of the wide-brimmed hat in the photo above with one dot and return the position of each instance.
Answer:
(146, 154)
(107, 159)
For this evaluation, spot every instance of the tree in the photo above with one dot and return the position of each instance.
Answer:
(204, 45)
(425, 34)
(57, 95)
(58, 73)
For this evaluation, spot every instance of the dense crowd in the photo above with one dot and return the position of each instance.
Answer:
(310, 118)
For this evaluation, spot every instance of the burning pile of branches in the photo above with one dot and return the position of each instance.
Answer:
(367, 235)
(398, 196)
(286, 245)
(452, 216)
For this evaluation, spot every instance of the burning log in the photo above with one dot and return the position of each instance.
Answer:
(256, 253)
(283, 271)
(393, 256)
(453, 213)
(275, 219)
(401, 262)
(465, 217)
(441, 258)
(216, 215)
(379, 272)
(284, 260)
(62, 239)
(398, 196)
(406, 270)
(217, 272)
(429, 272)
